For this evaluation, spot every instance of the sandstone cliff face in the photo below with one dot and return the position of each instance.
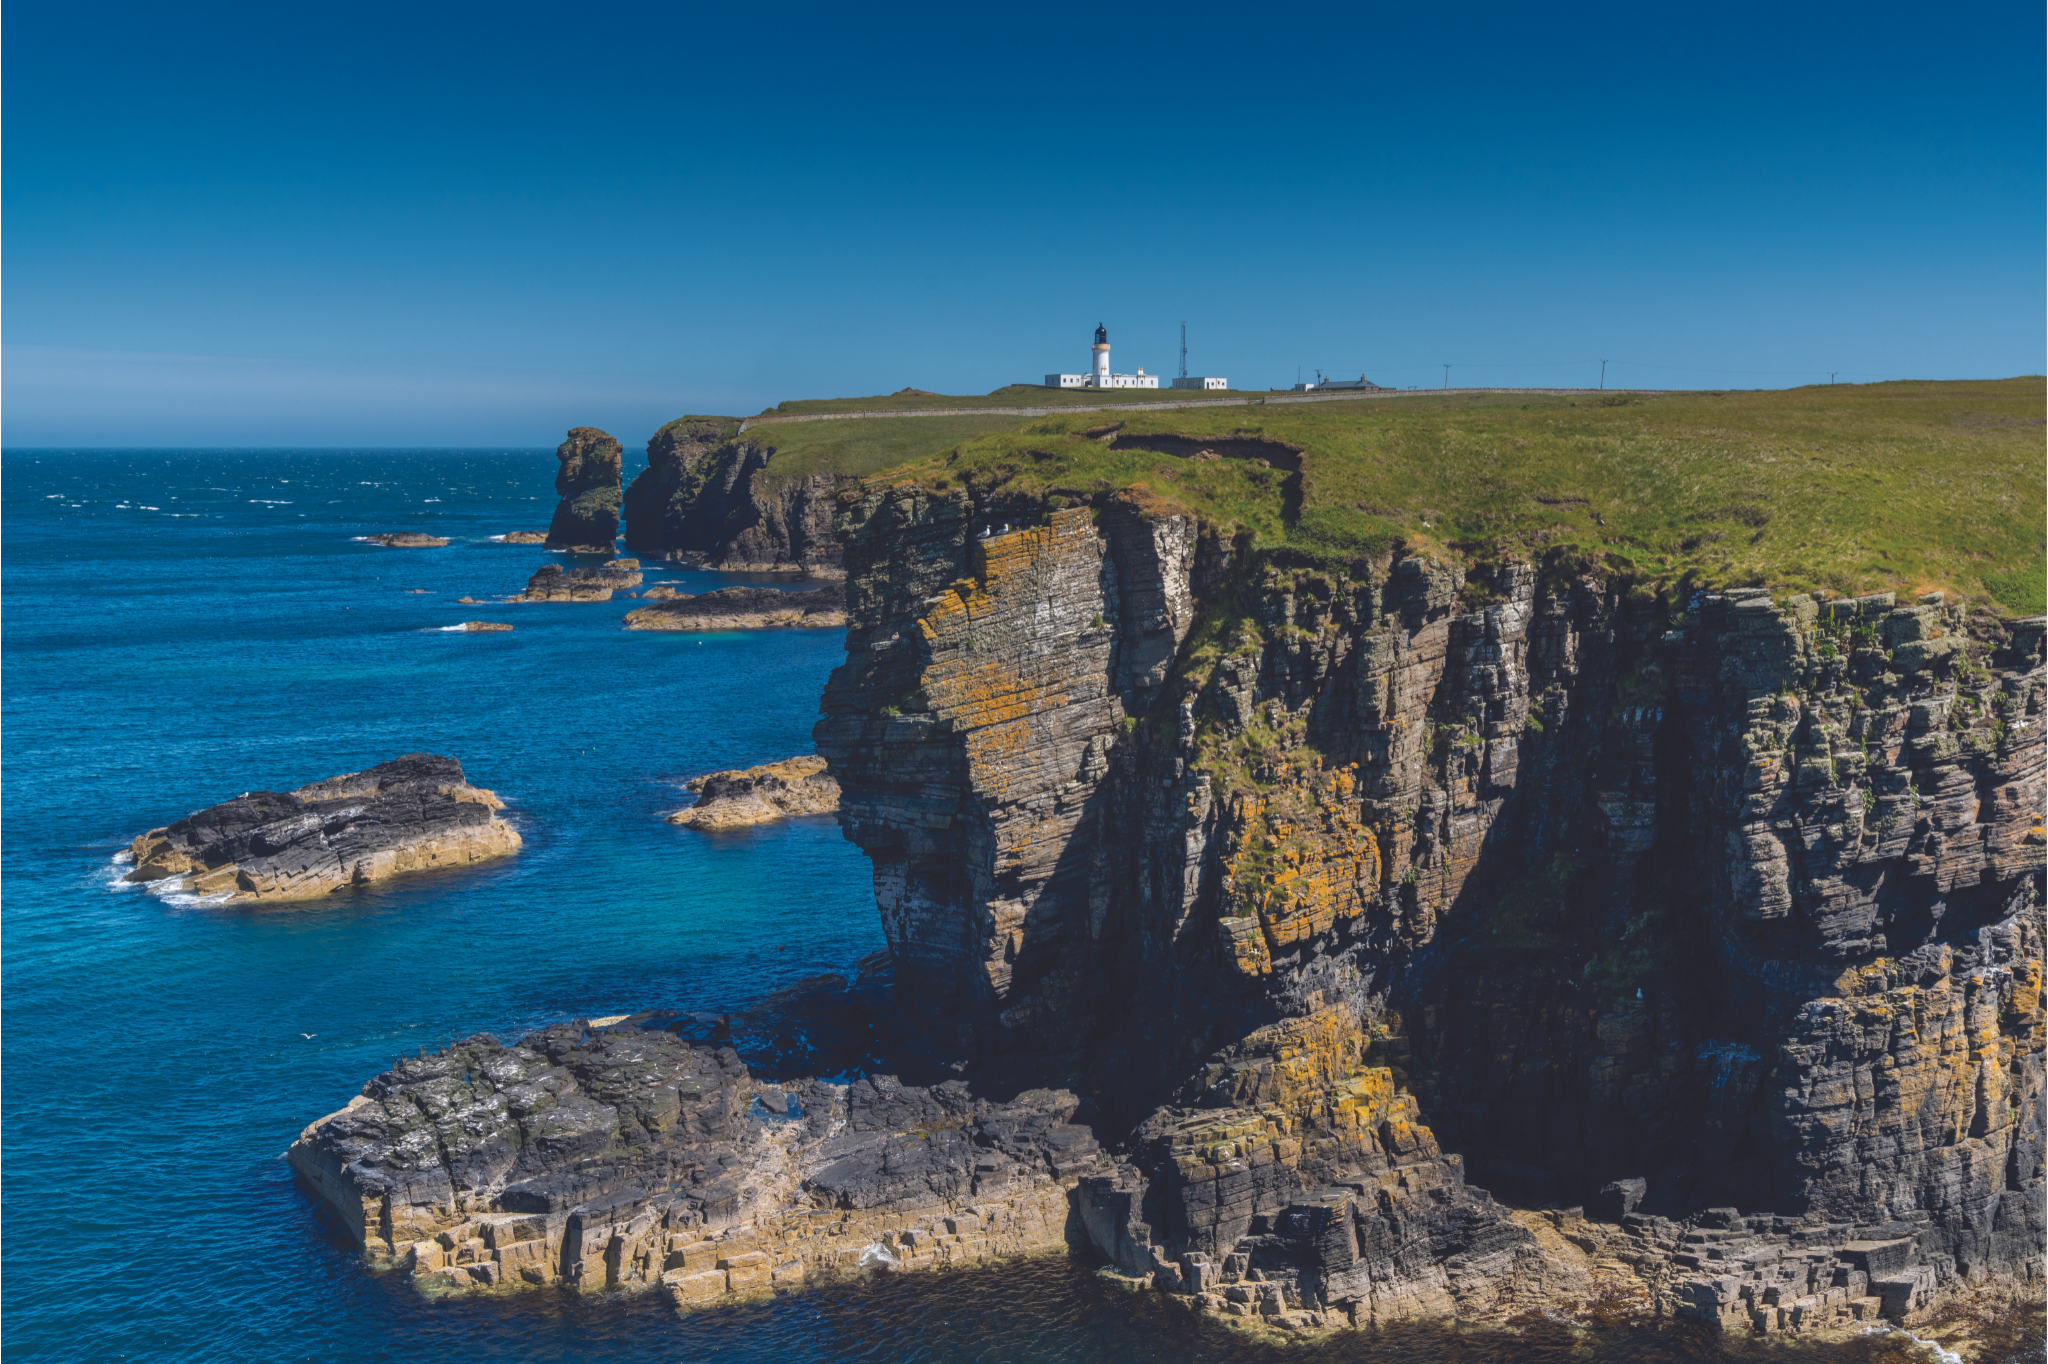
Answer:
(587, 518)
(1739, 896)
(411, 814)
(712, 497)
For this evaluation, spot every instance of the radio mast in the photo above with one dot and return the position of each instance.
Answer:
(1183, 350)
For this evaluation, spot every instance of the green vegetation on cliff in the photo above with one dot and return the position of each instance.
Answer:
(1910, 486)
(864, 446)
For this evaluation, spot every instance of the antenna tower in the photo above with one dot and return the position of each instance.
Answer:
(1183, 350)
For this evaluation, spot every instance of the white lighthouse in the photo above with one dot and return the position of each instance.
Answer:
(1099, 374)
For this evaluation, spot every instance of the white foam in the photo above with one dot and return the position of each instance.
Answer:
(1936, 1351)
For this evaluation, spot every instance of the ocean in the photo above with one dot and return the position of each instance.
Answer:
(182, 626)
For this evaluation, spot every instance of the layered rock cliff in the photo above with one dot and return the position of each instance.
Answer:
(1327, 918)
(587, 518)
(1741, 896)
(711, 496)
(414, 813)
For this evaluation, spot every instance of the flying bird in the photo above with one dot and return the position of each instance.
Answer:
(309, 1036)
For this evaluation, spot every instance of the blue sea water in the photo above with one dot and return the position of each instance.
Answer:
(182, 626)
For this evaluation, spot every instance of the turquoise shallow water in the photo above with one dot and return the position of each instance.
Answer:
(184, 626)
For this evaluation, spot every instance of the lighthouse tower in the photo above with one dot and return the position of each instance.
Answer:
(1099, 374)
(1101, 350)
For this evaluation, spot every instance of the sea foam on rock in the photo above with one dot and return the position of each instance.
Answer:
(414, 813)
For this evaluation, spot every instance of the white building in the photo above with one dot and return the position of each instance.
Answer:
(1099, 375)
(1204, 381)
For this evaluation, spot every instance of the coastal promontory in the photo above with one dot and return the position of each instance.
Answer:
(414, 813)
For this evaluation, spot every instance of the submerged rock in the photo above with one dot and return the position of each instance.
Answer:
(552, 583)
(413, 813)
(587, 519)
(760, 795)
(744, 608)
(407, 539)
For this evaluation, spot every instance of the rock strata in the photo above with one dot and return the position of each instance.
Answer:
(411, 814)
(407, 539)
(760, 795)
(744, 608)
(587, 519)
(552, 583)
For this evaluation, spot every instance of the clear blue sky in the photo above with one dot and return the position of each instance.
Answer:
(373, 223)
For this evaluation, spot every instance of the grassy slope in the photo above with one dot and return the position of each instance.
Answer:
(867, 446)
(1015, 395)
(1909, 486)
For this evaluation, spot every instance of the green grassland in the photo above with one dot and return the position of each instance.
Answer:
(1012, 395)
(865, 446)
(1909, 486)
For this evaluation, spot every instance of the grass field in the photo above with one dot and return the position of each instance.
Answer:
(867, 446)
(1015, 395)
(1908, 486)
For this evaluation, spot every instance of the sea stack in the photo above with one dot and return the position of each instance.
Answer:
(587, 521)
(413, 813)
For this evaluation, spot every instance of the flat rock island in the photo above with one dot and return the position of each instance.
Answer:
(413, 813)
(407, 539)
(760, 795)
(745, 608)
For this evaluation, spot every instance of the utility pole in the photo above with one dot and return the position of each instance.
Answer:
(1447, 377)
(1603, 374)
(1831, 376)
(1183, 350)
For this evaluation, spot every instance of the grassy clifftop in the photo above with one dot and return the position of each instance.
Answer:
(1909, 486)
(1011, 395)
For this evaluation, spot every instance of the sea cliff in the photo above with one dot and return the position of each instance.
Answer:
(1329, 935)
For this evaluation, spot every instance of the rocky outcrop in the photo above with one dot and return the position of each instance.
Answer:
(587, 518)
(712, 498)
(760, 795)
(413, 813)
(520, 537)
(653, 1157)
(744, 608)
(483, 626)
(407, 539)
(550, 582)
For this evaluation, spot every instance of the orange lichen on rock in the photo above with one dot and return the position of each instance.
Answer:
(1301, 861)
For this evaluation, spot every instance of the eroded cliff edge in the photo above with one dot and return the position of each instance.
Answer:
(711, 496)
(1307, 902)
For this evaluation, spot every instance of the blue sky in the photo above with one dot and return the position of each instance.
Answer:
(468, 224)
